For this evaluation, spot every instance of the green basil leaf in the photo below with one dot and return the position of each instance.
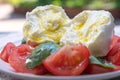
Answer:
(23, 41)
(40, 53)
(100, 62)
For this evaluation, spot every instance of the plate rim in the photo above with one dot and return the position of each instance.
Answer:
(91, 76)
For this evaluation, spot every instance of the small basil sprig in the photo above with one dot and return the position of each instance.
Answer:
(100, 62)
(23, 41)
(41, 52)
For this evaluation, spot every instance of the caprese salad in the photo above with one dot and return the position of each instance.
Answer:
(54, 44)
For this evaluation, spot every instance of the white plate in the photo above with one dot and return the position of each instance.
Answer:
(6, 69)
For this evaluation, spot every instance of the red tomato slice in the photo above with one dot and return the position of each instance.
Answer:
(32, 44)
(7, 51)
(96, 69)
(114, 54)
(69, 60)
(115, 40)
(18, 58)
(117, 68)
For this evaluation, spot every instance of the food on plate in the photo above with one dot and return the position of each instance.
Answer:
(41, 52)
(108, 63)
(53, 43)
(69, 60)
(7, 51)
(115, 40)
(98, 65)
(18, 58)
(114, 54)
(45, 23)
(92, 28)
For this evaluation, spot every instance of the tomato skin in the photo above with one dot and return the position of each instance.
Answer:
(32, 44)
(114, 54)
(69, 60)
(7, 51)
(117, 68)
(96, 69)
(115, 40)
(18, 58)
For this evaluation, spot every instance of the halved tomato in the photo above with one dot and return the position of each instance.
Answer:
(69, 60)
(7, 51)
(18, 58)
(114, 54)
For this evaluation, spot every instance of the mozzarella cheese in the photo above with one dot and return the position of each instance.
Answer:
(45, 23)
(92, 28)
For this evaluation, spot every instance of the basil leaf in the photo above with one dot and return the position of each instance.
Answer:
(100, 62)
(40, 53)
(23, 41)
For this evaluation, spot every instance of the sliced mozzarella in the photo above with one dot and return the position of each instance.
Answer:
(92, 28)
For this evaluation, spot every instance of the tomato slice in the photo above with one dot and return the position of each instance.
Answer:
(69, 60)
(96, 69)
(32, 44)
(18, 58)
(115, 40)
(7, 51)
(114, 54)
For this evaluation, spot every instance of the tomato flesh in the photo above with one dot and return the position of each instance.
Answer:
(32, 44)
(18, 58)
(7, 51)
(69, 60)
(114, 54)
(96, 69)
(115, 40)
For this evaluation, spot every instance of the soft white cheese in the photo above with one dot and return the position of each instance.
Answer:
(45, 23)
(92, 28)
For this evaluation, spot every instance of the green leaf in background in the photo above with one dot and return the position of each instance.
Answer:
(57, 2)
(89, 4)
(23, 3)
(40, 53)
(100, 62)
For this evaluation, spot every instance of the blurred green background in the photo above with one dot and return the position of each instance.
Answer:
(12, 12)
(89, 4)
(72, 7)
